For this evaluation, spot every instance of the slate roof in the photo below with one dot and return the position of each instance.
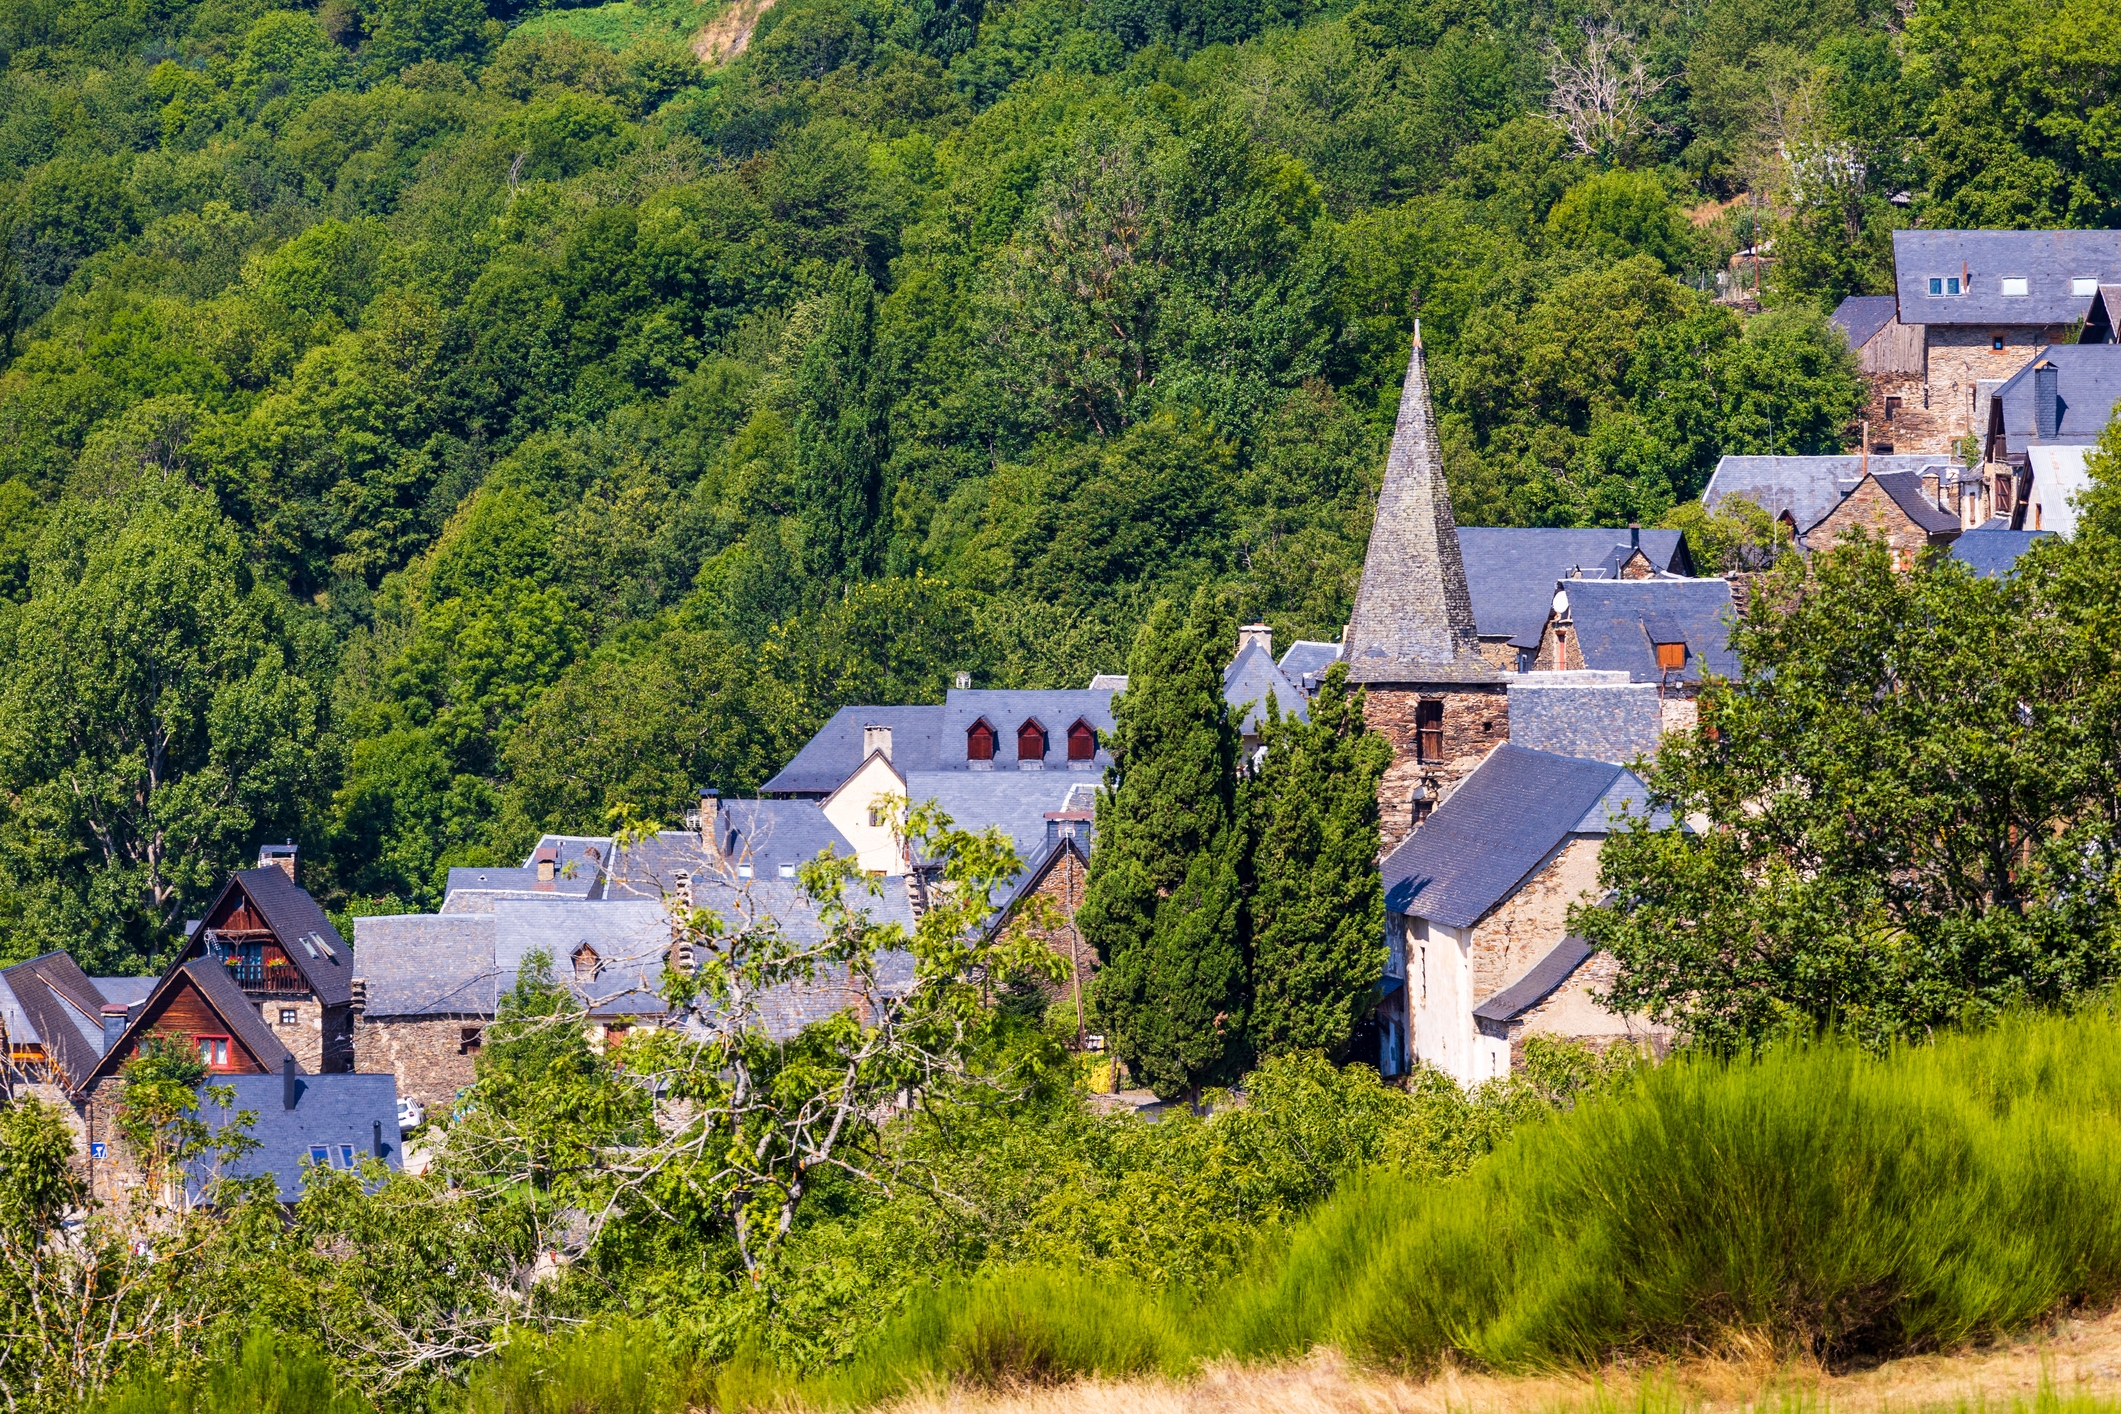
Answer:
(50, 1000)
(475, 889)
(1617, 622)
(1511, 572)
(127, 991)
(1860, 317)
(1905, 487)
(1413, 616)
(832, 755)
(1015, 800)
(331, 1110)
(1305, 663)
(1494, 831)
(1805, 488)
(294, 917)
(1248, 680)
(2048, 261)
(1539, 983)
(764, 834)
(2088, 378)
(631, 938)
(237, 1012)
(1056, 711)
(426, 964)
(1992, 551)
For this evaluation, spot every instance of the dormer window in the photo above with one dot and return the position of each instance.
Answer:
(1944, 285)
(979, 742)
(2014, 286)
(586, 963)
(2084, 286)
(1671, 657)
(1030, 742)
(1082, 742)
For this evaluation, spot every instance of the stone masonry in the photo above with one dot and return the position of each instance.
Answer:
(1870, 507)
(1476, 719)
(1527, 925)
(432, 1056)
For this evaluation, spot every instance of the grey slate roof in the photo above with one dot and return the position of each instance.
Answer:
(1056, 711)
(1860, 317)
(1804, 488)
(1539, 983)
(331, 1110)
(426, 964)
(1576, 714)
(1015, 800)
(1905, 487)
(1413, 619)
(832, 755)
(473, 890)
(1511, 572)
(1992, 551)
(1250, 678)
(293, 917)
(1617, 622)
(1305, 662)
(1494, 831)
(50, 1000)
(2088, 380)
(2048, 261)
(126, 991)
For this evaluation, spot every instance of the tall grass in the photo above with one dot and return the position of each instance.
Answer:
(266, 1374)
(1824, 1200)
(615, 1368)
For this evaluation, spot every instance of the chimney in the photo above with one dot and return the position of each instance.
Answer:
(281, 856)
(546, 860)
(1634, 535)
(378, 1149)
(963, 681)
(360, 996)
(288, 1086)
(2047, 399)
(711, 821)
(1256, 633)
(114, 1014)
(875, 739)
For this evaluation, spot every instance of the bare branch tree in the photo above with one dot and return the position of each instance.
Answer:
(1596, 96)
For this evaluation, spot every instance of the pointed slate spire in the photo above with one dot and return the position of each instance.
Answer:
(1413, 619)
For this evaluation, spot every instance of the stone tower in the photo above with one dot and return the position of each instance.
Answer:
(1411, 641)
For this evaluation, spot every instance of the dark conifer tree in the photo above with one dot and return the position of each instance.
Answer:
(1162, 905)
(1317, 907)
(840, 435)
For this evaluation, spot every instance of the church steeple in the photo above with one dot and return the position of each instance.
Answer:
(1413, 619)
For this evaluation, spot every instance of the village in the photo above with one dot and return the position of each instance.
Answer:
(1521, 677)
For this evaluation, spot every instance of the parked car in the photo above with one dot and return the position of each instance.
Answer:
(411, 1113)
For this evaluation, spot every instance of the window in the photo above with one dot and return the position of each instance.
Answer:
(213, 1050)
(2084, 286)
(1082, 742)
(1892, 408)
(744, 871)
(1995, 341)
(1428, 731)
(979, 742)
(2014, 285)
(1671, 657)
(287, 1016)
(320, 1155)
(1031, 742)
(586, 963)
(1944, 285)
(346, 1158)
(468, 1040)
(787, 871)
(877, 818)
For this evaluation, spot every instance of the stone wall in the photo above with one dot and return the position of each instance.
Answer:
(1527, 925)
(1870, 507)
(426, 1053)
(1062, 889)
(1912, 426)
(1574, 1013)
(1476, 719)
(320, 1038)
(1963, 358)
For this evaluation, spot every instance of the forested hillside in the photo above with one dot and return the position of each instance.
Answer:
(423, 425)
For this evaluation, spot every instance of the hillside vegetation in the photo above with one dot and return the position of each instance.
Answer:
(491, 417)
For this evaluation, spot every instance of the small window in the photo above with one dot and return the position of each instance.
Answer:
(1995, 341)
(1892, 408)
(468, 1040)
(586, 963)
(743, 871)
(320, 1155)
(877, 820)
(1944, 284)
(787, 871)
(287, 1016)
(1030, 742)
(1671, 657)
(2014, 285)
(1428, 731)
(1936, 284)
(1951, 284)
(979, 742)
(1082, 742)
(2084, 286)
(213, 1050)
(346, 1158)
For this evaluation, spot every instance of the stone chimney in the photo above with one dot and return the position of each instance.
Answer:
(2047, 399)
(278, 856)
(875, 739)
(289, 1086)
(711, 821)
(546, 860)
(1256, 633)
(114, 1015)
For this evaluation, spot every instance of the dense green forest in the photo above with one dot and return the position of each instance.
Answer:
(425, 424)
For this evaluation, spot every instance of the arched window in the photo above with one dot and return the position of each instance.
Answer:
(979, 742)
(1030, 742)
(1082, 742)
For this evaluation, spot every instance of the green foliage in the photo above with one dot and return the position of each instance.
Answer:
(267, 1374)
(1736, 538)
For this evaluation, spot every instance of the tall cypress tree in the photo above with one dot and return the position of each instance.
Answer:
(1317, 905)
(840, 434)
(1162, 904)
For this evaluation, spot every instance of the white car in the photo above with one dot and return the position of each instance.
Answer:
(411, 1113)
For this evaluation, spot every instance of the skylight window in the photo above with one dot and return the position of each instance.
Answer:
(2084, 286)
(1945, 285)
(2014, 285)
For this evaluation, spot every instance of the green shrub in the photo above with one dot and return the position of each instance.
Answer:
(268, 1374)
(619, 1367)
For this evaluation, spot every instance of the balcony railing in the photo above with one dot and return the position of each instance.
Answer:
(258, 977)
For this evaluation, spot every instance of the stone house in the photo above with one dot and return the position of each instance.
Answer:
(2041, 426)
(1894, 506)
(1661, 633)
(1511, 574)
(55, 1020)
(1476, 906)
(1981, 305)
